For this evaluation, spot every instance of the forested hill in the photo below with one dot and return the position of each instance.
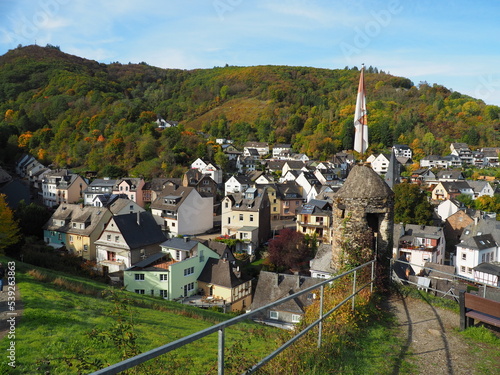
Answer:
(73, 112)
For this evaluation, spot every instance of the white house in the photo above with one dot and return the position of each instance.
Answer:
(478, 244)
(381, 163)
(402, 151)
(481, 188)
(420, 244)
(447, 208)
(237, 184)
(209, 169)
(182, 210)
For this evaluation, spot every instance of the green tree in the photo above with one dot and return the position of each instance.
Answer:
(466, 200)
(9, 230)
(32, 217)
(411, 205)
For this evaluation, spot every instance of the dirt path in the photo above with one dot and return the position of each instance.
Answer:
(431, 340)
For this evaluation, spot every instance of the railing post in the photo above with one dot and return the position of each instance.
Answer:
(220, 354)
(354, 290)
(372, 278)
(320, 325)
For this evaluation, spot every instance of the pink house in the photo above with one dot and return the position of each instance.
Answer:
(132, 188)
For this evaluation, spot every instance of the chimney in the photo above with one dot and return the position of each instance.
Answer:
(186, 239)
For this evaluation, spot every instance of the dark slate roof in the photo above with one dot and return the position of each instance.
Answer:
(489, 268)
(272, 287)
(484, 241)
(178, 243)
(363, 182)
(220, 272)
(146, 232)
(323, 259)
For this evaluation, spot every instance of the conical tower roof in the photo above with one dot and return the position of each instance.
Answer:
(364, 182)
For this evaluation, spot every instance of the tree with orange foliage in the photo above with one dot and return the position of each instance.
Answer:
(9, 230)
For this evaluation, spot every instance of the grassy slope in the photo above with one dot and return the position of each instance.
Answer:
(56, 321)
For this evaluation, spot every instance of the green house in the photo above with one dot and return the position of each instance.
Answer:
(171, 274)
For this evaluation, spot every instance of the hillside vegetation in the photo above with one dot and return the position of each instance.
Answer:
(73, 112)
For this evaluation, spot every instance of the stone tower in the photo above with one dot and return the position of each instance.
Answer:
(363, 215)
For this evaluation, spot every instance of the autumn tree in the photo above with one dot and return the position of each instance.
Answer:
(9, 231)
(411, 205)
(288, 249)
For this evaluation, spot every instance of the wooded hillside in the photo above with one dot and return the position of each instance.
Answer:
(73, 112)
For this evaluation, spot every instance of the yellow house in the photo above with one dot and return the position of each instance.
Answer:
(220, 280)
(77, 227)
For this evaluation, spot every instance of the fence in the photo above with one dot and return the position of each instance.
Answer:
(220, 327)
(453, 278)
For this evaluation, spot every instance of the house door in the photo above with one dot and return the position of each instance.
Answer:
(185, 291)
(211, 291)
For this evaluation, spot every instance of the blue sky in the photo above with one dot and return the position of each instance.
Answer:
(452, 43)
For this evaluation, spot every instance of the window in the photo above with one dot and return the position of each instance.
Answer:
(117, 238)
(163, 277)
(469, 270)
(85, 247)
(188, 271)
(482, 257)
(139, 277)
(111, 256)
(464, 256)
(177, 255)
(251, 217)
(462, 269)
(295, 318)
(273, 315)
(241, 217)
(70, 238)
(139, 291)
(163, 293)
(108, 237)
(226, 205)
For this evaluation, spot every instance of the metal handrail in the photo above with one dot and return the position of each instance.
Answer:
(153, 353)
(453, 277)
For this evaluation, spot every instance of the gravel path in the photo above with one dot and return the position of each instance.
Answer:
(431, 339)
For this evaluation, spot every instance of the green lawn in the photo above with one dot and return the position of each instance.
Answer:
(56, 323)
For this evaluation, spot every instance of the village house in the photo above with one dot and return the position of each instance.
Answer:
(181, 210)
(419, 244)
(282, 150)
(272, 287)
(209, 169)
(97, 187)
(453, 228)
(172, 273)
(221, 280)
(246, 217)
(126, 240)
(289, 199)
(450, 190)
(321, 265)
(262, 148)
(487, 273)
(315, 219)
(463, 151)
(152, 189)
(237, 184)
(62, 187)
(478, 244)
(203, 183)
(132, 188)
(380, 163)
(402, 151)
(76, 227)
